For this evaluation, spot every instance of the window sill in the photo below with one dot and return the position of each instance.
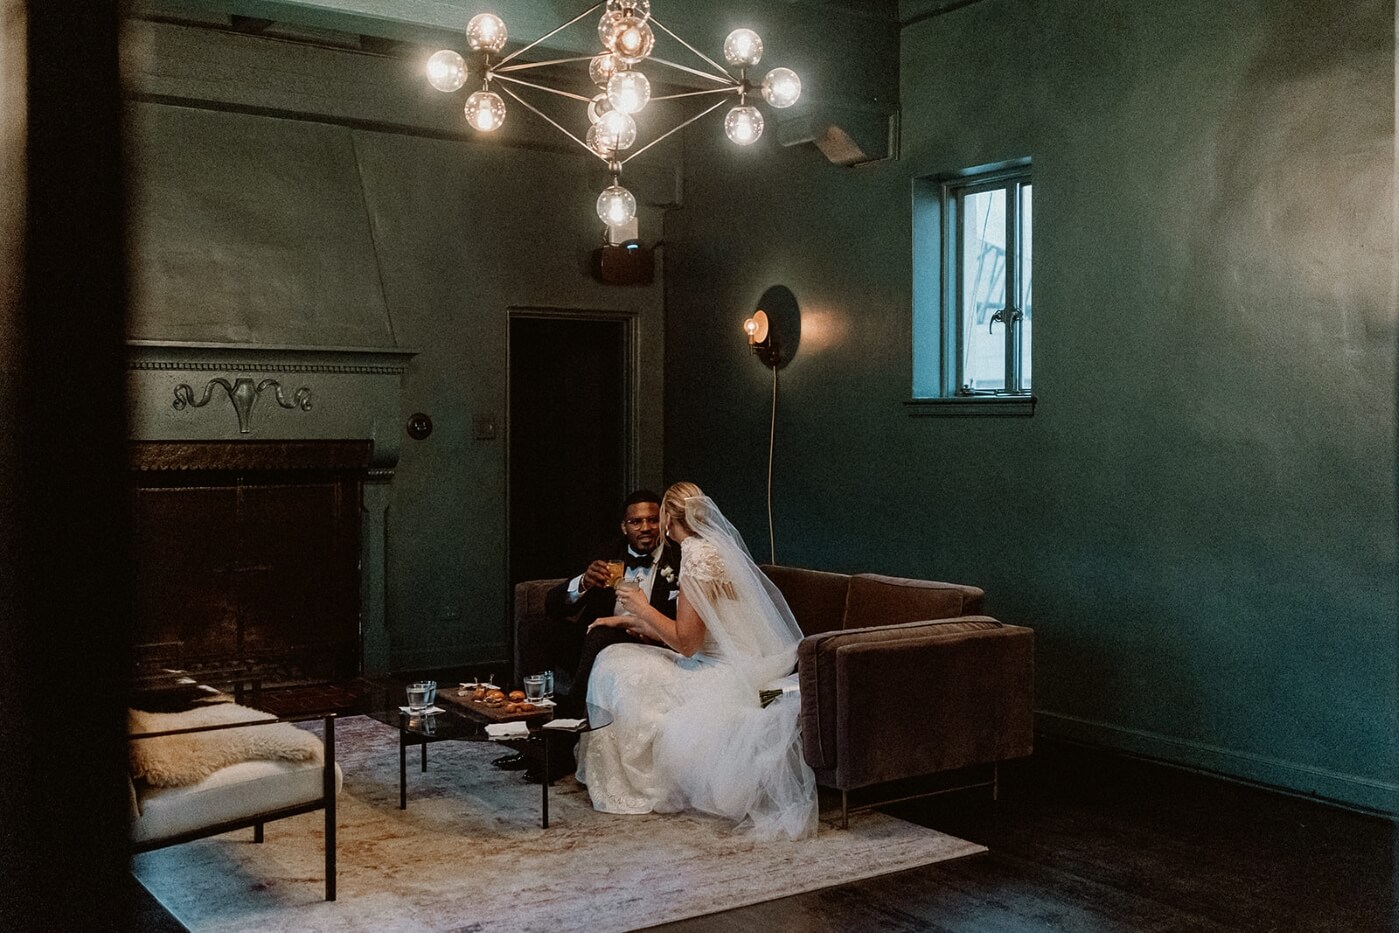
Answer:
(1021, 406)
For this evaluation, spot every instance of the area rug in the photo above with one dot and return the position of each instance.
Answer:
(469, 854)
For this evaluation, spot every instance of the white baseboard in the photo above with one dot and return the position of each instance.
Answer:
(1305, 780)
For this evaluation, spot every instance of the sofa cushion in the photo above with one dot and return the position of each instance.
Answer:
(817, 598)
(238, 792)
(879, 600)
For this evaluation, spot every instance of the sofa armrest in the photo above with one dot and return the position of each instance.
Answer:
(888, 702)
(529, 608)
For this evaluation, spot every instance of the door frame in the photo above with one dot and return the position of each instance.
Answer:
(631, 414)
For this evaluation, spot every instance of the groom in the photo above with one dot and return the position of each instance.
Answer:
(563, 641)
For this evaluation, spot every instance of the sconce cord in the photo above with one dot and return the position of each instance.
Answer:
(772, 437)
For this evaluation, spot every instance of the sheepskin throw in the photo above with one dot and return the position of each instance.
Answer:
(175, 760)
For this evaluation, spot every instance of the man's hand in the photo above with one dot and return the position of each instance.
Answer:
(597, 574)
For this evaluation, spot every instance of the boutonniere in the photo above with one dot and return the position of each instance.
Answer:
(669, 573)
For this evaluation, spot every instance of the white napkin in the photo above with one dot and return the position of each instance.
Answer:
(420, 712)
(566, 724)
(507, 730)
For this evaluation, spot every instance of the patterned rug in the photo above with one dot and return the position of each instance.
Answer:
(469, 854)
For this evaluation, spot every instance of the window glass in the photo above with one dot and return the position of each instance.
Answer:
(983, 275)
(1027, 323)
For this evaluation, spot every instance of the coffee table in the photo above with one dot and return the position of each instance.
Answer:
(461, 724)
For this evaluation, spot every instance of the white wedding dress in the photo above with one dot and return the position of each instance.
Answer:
(689, 733)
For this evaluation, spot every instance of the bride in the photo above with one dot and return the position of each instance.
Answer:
(688, 729)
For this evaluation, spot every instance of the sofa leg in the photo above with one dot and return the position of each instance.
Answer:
(844, 810)
(257, 832)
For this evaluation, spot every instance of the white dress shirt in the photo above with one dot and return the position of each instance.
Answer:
(643, 576)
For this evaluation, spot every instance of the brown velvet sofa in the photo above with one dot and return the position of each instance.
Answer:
(903, 678)
(900, 678)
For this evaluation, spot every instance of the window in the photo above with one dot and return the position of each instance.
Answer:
(973, 296)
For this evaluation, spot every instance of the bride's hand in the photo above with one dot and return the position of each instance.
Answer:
(621, 622)
(632, 599)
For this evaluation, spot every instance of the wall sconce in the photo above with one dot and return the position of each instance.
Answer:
(759, 337)
(774, 330)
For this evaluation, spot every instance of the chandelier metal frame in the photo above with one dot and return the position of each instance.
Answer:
(627, 33)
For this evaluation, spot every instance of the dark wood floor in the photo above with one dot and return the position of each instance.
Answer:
(1085, 840)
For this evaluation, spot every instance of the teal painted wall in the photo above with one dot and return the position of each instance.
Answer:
(1199, 520)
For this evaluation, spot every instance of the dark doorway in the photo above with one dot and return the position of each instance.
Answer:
(569, 407)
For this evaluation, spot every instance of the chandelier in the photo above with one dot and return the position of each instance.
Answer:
(618, 91)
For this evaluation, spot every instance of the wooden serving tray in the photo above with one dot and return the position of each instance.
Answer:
(492, 713)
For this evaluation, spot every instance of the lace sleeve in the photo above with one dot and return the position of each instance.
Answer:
(702, 566)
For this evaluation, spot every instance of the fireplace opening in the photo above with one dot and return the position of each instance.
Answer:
(247, 557)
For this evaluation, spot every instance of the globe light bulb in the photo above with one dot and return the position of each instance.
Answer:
(446, 71)
(616, 206)
(743, 47)
(629, 38)
(597, 142)
(641, 9)
(485, 111)
(597, 107)
(602, 68)
(744, 125)
(616, 130)
(486, 33)
(782, 87)
(628, 91)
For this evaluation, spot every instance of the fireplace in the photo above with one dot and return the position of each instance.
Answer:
(259, 479)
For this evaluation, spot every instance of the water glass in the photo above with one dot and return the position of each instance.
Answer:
(534, 688)
(422, 694)
(548, 684)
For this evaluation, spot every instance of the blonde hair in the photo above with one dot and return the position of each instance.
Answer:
(673, 503)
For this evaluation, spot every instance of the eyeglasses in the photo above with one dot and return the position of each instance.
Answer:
(641, 522)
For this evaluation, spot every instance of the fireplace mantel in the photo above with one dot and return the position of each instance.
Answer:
(238, 392)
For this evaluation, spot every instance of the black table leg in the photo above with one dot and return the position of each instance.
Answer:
(424, 758)
(547, 776)
(402, 769)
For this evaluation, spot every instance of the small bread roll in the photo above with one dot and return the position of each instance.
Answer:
(495, 694)
(517, 695)
(527, 707)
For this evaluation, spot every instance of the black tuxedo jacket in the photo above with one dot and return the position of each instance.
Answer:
(600, 601)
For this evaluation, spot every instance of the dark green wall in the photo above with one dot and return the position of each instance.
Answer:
(1199, 519)
(294, 195)
(303, 187)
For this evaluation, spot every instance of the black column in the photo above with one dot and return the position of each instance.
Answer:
(63, 518)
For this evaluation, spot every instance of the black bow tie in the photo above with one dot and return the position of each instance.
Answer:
(638, 560)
